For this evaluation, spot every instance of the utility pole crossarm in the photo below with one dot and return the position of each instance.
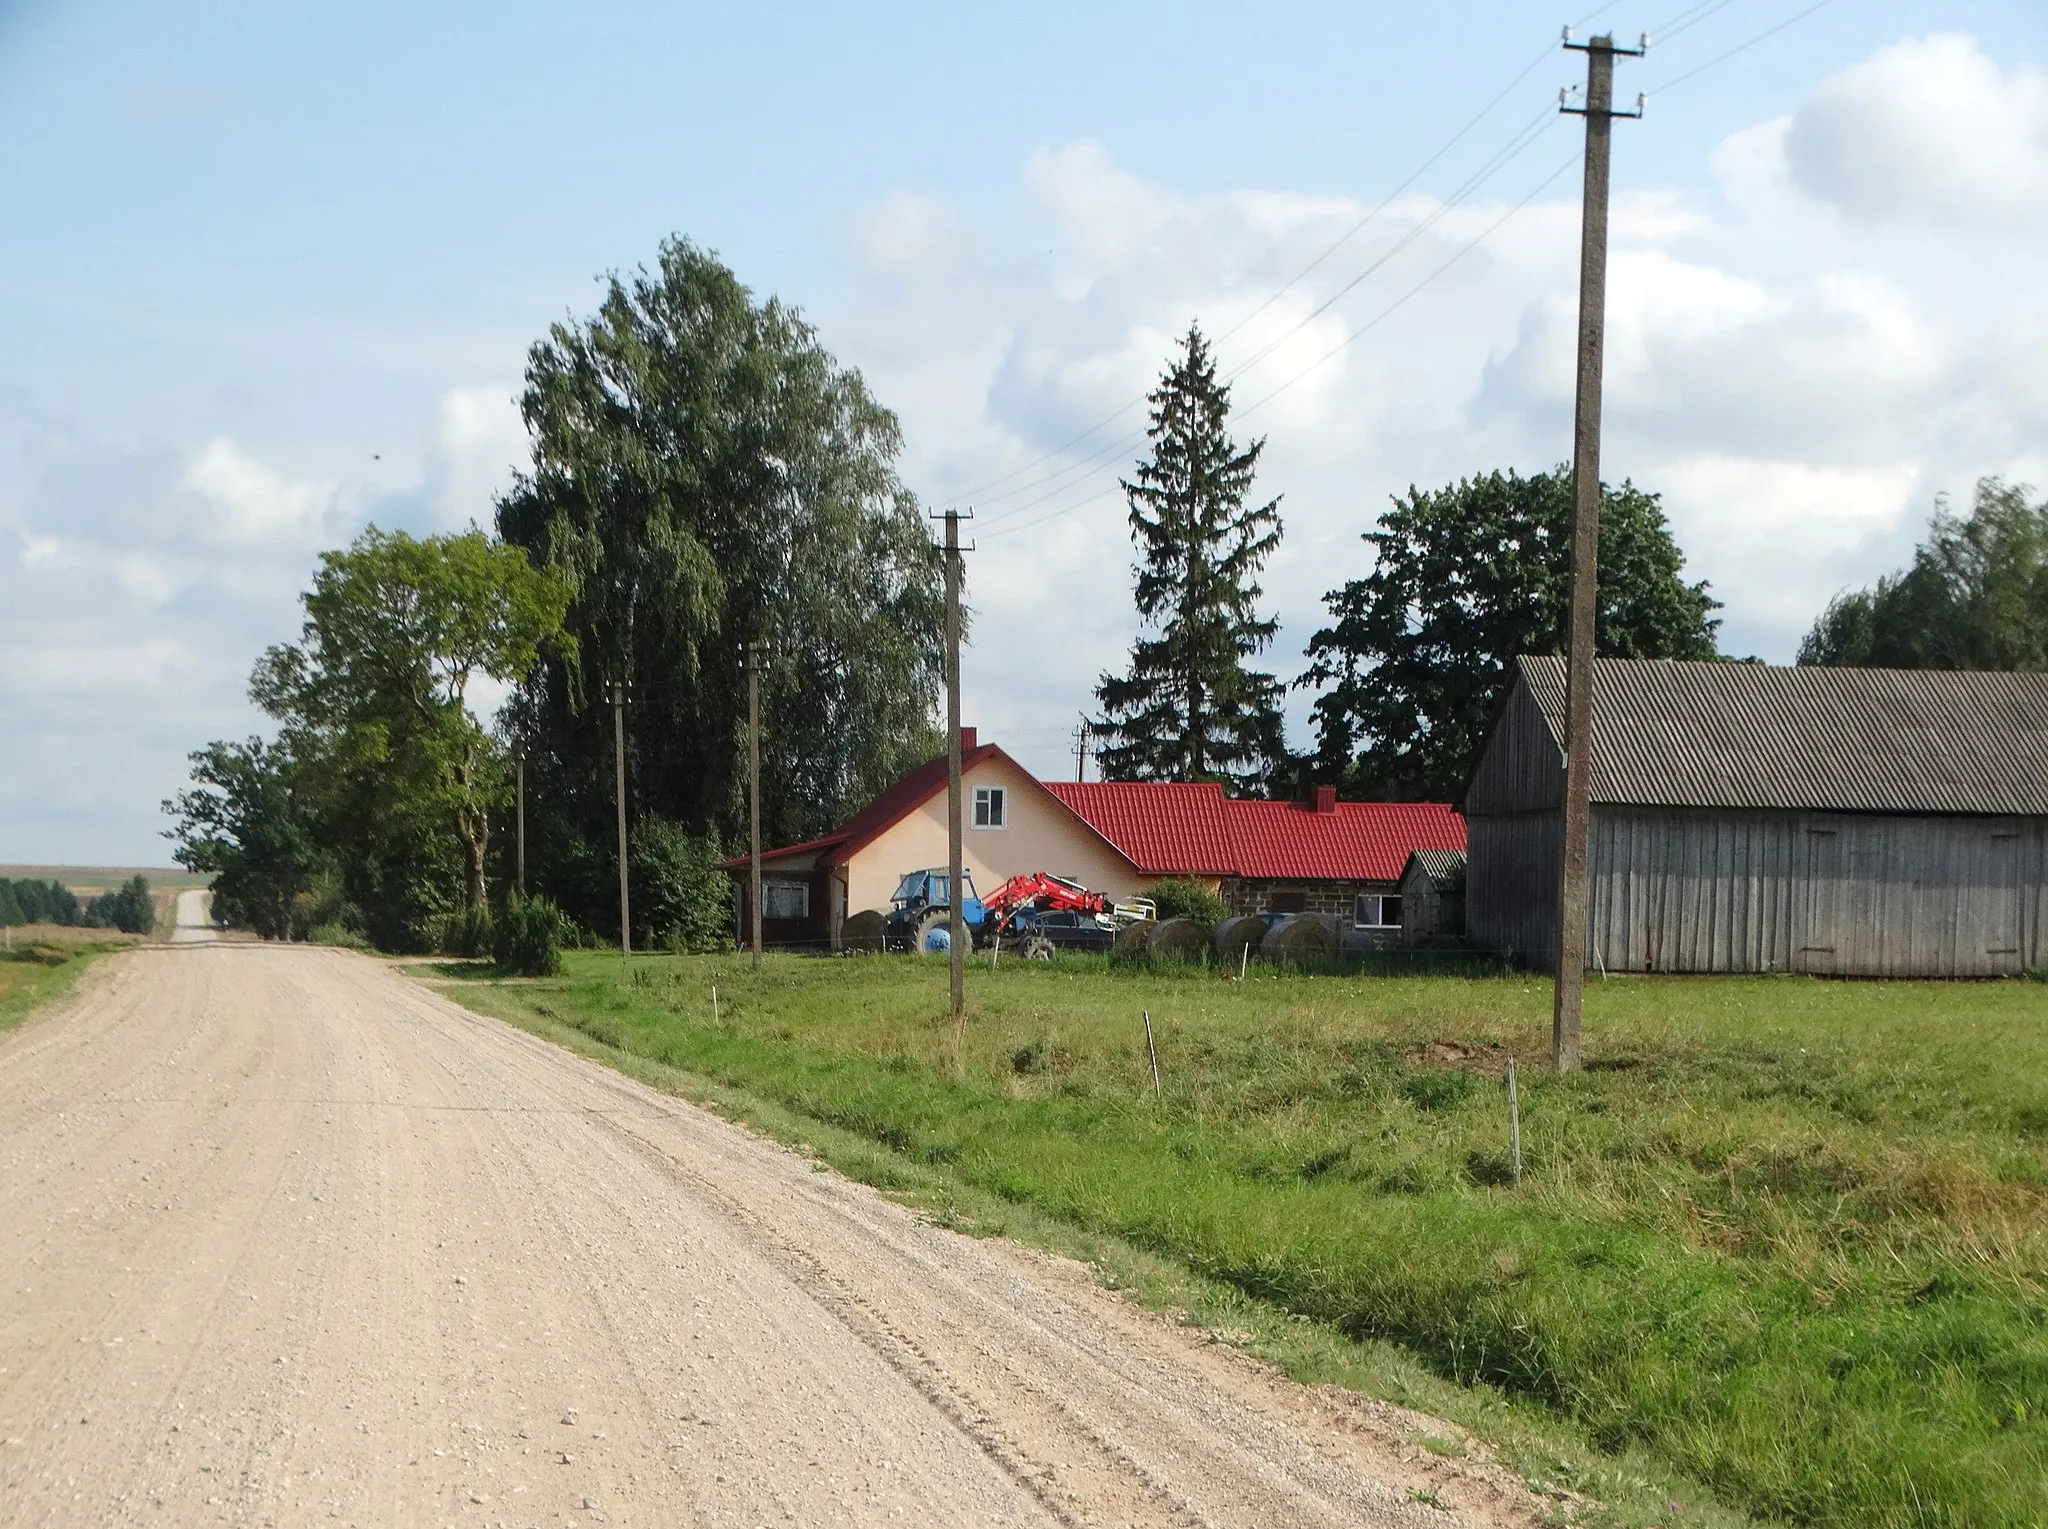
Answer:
(1572, 899)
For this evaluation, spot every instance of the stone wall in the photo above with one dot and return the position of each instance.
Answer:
(1245, 894)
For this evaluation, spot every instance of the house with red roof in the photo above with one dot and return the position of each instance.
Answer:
(1117, 837)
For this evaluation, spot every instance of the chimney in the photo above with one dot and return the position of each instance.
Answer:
(967, 741)
(1326, 799)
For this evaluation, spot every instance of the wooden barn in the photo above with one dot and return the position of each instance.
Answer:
(1859, 822)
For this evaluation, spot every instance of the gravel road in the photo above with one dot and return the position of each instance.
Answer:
(286, 1238)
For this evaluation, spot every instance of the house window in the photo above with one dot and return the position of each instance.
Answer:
(785, 899)
(1376, 910)
(991, 806)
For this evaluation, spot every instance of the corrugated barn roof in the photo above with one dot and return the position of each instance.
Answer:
(1687, 734)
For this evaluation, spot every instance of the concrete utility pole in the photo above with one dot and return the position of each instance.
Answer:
(1080, 751)
(754, 777)
(1571, 923)
(956, 922)
(519, 765)
(619, 760)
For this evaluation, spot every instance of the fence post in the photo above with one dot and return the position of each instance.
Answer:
(1152, 1051)
(1514, 1127)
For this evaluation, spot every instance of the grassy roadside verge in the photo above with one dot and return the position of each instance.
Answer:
(1784, 1237)
(35, 972)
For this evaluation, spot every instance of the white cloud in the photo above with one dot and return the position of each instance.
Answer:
(1927, 127)
(480, 444)
(39, 549)
(251, 502)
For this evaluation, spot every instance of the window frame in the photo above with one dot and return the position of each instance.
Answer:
(1358, 901)
(768, 888)
(990, 808)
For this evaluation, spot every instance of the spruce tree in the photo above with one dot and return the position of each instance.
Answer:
(1190, 709)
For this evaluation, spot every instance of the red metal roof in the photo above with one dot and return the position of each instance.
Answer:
(909, 793)
(1194, 830)
(1164, 829)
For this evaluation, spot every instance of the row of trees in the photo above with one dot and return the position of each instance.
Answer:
(129, 908)
(706, 477)
(1417, 655)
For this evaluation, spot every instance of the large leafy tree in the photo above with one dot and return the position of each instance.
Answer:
(243, 822)
(1420, 652)
(1975, 596)
(374, 702)
(706, 475)
(1190, 707)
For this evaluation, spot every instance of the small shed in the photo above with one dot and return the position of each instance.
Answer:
(1749, 818)
(1433, 897)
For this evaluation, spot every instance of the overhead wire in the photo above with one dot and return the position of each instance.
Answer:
(1294, 281)
(1524, 136)
(1742, 47)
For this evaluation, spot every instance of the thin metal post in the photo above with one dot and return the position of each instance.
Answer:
(1572, 895)
(1514, 1126)
(754, 776)
(619, 785)
(1152, 1051)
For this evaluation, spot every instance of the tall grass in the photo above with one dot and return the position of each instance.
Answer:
(1790, 1236)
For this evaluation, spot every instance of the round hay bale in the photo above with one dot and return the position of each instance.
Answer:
(1177, 939)
(1301, 938)
(1132, 938)
(861, 933)
(1235, 935)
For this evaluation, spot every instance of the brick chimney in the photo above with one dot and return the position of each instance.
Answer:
(1326, 799)
(967, 741)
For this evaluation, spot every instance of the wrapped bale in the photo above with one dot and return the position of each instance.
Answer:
(861, 933)
(1235, 935)
(1301, 939)
(1132, 939)
(1178, 939)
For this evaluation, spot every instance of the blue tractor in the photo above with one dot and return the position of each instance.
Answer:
(920, 913)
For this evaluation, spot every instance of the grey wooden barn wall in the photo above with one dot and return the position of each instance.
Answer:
(1716, 889)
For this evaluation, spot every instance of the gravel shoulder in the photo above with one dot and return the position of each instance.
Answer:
(286, 1237)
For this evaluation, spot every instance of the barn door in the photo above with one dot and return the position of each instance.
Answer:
(1996, 918)
(1820, 940)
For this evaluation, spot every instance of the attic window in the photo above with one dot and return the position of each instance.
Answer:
(991, 806)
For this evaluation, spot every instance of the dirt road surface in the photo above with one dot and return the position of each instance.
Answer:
(286, 1238)
(195, 919)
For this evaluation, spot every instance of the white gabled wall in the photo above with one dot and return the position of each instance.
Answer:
(1042, 834)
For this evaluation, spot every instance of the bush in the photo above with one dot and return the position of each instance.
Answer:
(468, 933)
(46, 902)
(11, 915)
(682, 901)
(1184, 897)
(336, 934)
(131, 910)
(528, 937)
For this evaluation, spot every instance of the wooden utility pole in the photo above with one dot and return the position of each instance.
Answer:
(754, 778)
(1080, 751)
(619, 785)
(956, 922)
(1578, 784)
(519, 766)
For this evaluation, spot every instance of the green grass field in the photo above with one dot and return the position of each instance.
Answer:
(1783, 1237)
(39, 964)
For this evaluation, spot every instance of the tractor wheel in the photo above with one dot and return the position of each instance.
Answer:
(1038, 948)
(934, 936)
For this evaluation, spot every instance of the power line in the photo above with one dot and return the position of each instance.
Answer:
(1685, 20)
(1074, 471)
(1350, 339)
(980, 491)
(1742, 47)
(1386, 312)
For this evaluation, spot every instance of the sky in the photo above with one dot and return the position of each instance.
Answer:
(269, 274)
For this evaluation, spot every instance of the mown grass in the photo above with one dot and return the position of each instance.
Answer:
(39, 964)
(1788, 1237)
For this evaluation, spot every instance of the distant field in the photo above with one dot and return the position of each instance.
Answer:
(106, 878)
(1789, 1236)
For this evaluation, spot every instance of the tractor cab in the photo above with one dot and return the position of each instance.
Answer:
(921, 907)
